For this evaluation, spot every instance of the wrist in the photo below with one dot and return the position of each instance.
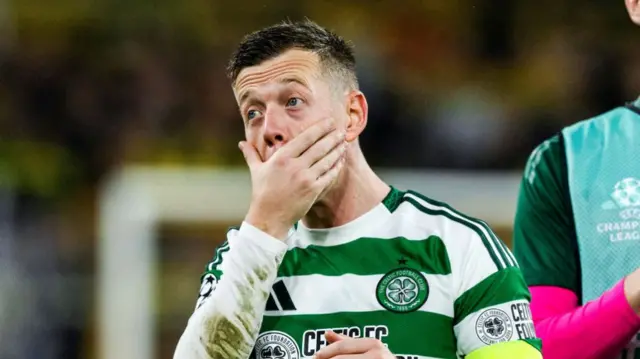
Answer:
(276, 229)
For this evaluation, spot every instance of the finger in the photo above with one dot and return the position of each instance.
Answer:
(328, 161)
(333, 337)
(308, 137)
(250, 154)
(353, 356)
(328, 177)
(322, 148)
(347, 346)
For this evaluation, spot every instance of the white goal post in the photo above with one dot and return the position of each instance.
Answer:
(135, 200)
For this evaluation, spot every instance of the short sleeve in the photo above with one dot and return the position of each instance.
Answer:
(544, 239)
(492, 298)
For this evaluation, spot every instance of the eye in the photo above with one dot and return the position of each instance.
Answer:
(251, 114)
(294, 101)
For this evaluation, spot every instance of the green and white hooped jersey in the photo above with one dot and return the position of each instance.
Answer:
(426, 280)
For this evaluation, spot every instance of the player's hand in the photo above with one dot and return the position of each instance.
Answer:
(632, 290)
(344, 347)
(286, 185)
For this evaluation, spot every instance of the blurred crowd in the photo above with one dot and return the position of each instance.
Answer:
(87, 87)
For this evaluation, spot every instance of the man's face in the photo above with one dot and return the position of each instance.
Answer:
(281, 97)
(633, 6)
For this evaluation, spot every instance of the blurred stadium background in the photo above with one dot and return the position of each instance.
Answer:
(119, 170)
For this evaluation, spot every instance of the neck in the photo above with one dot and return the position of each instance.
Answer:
(356, 191)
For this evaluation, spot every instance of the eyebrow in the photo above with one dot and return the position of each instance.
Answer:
(288, 80)
(245, 96)
(285, 81)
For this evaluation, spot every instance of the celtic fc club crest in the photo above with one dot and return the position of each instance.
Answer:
(402, 290)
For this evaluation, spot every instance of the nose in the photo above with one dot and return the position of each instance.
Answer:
(275, 134)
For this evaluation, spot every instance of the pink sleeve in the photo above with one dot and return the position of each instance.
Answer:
(598, 329)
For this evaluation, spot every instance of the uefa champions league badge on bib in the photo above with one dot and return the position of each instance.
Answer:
(276, 345)
(402, 290)
(624, 208)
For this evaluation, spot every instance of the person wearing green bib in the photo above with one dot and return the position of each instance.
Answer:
(577, 235)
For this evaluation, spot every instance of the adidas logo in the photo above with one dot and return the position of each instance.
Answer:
(279, 298)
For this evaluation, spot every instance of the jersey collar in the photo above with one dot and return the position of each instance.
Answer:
(361, 226)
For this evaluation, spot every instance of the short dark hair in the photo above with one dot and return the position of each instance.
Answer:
(336, 54)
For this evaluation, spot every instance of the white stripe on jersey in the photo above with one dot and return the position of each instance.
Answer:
(496, 248)
(219, 252)
(319, 294)
(393, 229)
(506, 250)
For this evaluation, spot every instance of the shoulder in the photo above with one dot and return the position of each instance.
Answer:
(547, 159)
(599, 122)
(439, 214)
(550, 154)
(594, 133)
(463, 235)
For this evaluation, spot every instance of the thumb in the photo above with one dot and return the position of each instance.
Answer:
(250, 154)
(333, 337)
